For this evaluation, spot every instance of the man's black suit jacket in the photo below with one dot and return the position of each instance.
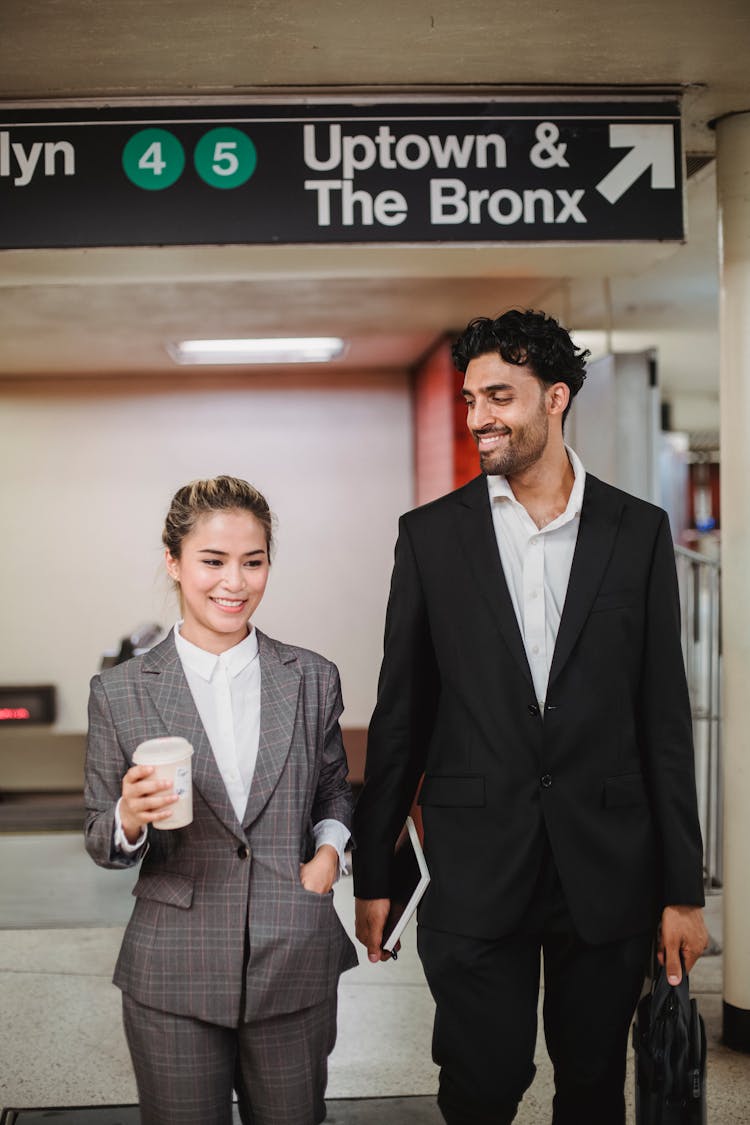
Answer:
(607, 772)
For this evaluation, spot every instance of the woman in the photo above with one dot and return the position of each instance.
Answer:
(230, 961)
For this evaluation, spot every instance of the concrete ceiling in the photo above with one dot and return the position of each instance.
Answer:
(111, 311)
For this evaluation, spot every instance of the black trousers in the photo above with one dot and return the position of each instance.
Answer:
(486, 995)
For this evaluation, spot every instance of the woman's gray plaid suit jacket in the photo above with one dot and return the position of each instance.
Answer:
(222, 929)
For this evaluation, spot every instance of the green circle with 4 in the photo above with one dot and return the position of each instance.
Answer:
(225, 157)
(153, 159)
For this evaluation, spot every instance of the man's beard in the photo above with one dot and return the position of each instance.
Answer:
(520, 451)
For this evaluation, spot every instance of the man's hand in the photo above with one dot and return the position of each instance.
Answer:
(319, 874)
(682, 929)
(370, 916)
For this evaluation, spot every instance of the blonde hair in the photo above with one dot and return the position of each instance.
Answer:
(219, 494)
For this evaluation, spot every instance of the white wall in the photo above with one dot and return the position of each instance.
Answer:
(694, 412)
(86, 476)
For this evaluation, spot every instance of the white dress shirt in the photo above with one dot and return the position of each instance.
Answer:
(536, 564)
(226, 692)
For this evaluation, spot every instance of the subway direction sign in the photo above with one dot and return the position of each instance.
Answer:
(469, 172)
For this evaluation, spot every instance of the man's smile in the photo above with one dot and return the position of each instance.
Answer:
(490, 439)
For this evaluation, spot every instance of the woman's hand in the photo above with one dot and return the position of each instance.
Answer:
(319, 874)
(144, 800)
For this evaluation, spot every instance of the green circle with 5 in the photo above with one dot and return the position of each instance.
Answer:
(153, 159)
(225, 157)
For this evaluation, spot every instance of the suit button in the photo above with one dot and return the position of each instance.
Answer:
(546, 780)
(243, 851)
(533, 709)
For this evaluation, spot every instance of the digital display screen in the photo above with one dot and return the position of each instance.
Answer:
(27, 704)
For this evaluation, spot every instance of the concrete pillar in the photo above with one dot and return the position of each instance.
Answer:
(733, 180)
(615, 427)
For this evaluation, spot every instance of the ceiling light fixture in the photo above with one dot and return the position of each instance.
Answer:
(305, 349)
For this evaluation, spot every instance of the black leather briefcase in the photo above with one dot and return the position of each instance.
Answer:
(669, 1038)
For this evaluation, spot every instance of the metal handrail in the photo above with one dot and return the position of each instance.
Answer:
(696, 556)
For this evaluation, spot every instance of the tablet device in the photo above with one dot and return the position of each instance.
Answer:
(409, 881)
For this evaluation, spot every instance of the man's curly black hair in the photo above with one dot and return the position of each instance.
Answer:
(526, 339)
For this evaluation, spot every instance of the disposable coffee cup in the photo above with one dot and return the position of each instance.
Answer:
(170, 757)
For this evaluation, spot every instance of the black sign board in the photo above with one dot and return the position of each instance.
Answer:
(471, 172)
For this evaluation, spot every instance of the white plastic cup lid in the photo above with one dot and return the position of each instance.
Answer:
(162, 751)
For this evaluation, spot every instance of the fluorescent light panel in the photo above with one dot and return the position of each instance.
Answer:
(303, 349)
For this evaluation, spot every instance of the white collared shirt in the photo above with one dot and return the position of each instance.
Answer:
(536, 564)
(226, 692)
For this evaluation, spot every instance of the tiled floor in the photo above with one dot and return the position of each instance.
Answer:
(61, 1043)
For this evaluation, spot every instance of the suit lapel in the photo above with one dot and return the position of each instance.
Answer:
(600, 518)
(280, 680)
(169, 692)
(477, 536)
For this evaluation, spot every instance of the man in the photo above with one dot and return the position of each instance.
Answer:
(533, 674)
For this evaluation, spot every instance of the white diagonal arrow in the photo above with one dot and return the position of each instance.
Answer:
(652, 146)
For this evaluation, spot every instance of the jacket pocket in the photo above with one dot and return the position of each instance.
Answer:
(174, 890)
(628, 789)
(452, 792)
(615, 599)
